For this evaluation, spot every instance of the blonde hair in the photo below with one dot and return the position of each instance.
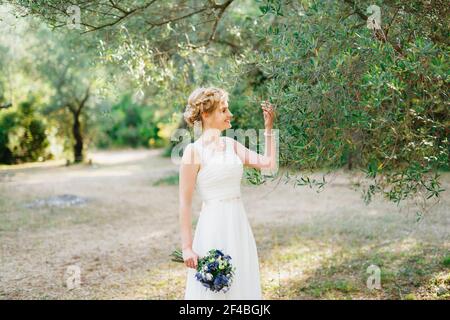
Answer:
(203, 100)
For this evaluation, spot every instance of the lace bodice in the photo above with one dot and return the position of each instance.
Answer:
(220, 171)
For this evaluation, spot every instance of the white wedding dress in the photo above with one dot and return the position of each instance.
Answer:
(223, 224)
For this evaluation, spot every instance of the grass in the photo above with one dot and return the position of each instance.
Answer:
(446, 261)
(170, 180)
(18, 217)
(304, 267)
(15, 216)
(330, 288)
(304, 261)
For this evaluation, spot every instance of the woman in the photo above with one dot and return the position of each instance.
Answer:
(215, 165)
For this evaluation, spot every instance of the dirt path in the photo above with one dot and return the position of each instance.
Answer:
(311, 245)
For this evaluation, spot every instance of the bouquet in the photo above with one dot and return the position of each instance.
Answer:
(214, 271)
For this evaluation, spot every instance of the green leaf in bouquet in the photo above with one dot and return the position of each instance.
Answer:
(177, 256)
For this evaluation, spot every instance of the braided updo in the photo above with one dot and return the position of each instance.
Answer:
(203, 100)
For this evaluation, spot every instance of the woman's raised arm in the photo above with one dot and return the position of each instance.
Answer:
(253, 159)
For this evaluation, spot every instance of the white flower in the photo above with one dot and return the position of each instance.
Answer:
(209, 276)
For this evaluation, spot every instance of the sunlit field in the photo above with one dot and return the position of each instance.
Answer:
(311, 245)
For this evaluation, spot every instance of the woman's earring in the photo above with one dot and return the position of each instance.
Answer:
(197, 129)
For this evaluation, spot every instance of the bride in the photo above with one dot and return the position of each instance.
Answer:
(214, 165)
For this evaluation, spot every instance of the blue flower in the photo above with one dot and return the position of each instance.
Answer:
(198, 276)
(223, 280)
(206, 285)
(220, 280)
(213, 265)
(219, 253)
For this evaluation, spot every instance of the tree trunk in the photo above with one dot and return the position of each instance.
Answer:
(76, 130)
(350, 160)
(76, 108)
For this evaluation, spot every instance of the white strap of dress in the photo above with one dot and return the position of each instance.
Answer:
(197, 147)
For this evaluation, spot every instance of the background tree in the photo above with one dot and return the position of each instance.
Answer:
(374, 99)
(74, 77)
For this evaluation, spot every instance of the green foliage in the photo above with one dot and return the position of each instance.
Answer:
(129, 124)
(350, 96)
(446, 261)
(7, 123)
(22, 136)
(253, 176)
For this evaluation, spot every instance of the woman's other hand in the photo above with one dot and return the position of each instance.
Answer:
(190, 258)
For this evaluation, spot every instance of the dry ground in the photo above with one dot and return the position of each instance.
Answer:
(311, 245)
